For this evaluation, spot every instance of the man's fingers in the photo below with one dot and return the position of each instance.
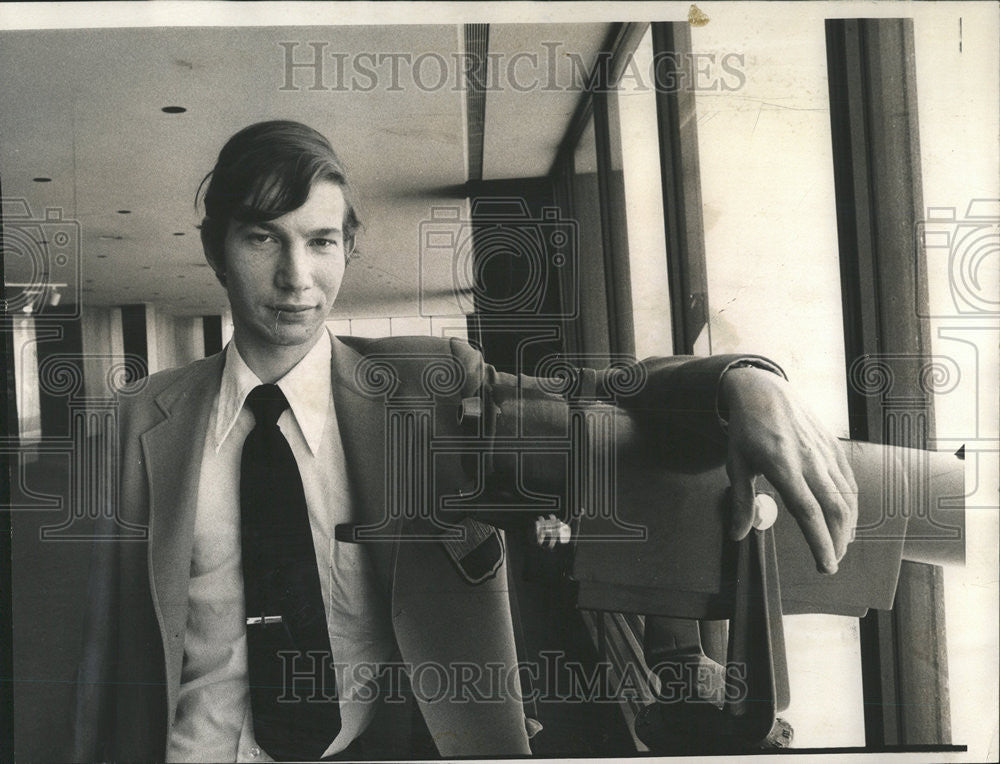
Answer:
(832, 483)
(809, 515)
(840, 451)
(845, 477)
(741, 478)
(849, 495)
(540, 531)
(841, 473)
(851, 500)
(563, 533)
(550, 531)
(836, 509)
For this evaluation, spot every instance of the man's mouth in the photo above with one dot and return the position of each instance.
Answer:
(286, 308)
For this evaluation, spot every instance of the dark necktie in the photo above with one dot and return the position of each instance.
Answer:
(293, 687)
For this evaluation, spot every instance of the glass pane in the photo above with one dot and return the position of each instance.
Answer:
(772, 256)
(592, 299)
(635, 169)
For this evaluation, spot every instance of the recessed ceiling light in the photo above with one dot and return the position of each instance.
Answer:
(42, 179)
(173, 109)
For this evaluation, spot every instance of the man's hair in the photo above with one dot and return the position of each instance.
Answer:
(267, 170)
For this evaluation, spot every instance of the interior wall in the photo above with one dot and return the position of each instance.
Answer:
(172, 340)
(101, 330)
(190, 338)
(401, 326)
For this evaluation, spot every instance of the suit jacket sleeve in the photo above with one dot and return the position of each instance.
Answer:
(671, 402)
(674, 398)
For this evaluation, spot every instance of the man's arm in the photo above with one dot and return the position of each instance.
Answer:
(737, 408)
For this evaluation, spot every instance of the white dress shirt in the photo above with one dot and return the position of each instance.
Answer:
(213, 720)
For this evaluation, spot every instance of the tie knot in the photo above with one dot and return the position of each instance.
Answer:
(267, 402)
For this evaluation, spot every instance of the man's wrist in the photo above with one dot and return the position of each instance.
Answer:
(730, 381)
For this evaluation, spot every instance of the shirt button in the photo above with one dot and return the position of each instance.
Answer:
(254, 752)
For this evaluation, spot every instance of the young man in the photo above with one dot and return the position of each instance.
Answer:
(195, 635)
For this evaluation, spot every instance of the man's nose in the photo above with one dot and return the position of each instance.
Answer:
(293, 267)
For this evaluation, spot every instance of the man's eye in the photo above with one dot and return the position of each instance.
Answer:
(259, 238)
(326, 243)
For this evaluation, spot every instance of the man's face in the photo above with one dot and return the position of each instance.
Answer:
(283, 275)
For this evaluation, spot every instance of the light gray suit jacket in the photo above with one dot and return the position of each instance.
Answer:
(134, 636)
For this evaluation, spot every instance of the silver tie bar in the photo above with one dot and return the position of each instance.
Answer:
(263, 620)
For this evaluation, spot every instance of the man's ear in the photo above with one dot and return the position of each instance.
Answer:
(213, 254)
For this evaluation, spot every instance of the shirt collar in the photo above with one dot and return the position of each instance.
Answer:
(307, 387)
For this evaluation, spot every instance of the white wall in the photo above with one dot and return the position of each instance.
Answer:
(958, 95)
(103, 352)
(401, 326)
(189, 332)
(101, 338)
(172, 340)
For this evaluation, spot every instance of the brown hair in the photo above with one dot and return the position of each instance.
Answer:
(267, 170)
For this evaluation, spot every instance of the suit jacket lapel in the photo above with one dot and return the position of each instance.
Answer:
(361, 418)
(172, 450)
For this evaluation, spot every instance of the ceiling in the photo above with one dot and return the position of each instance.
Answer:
(84, 109)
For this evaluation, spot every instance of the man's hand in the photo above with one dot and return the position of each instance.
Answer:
(772, 434)
(550, 531)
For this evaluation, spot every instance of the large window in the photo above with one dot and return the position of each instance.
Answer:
(728, 190)
(634, 162)
(587, 209)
